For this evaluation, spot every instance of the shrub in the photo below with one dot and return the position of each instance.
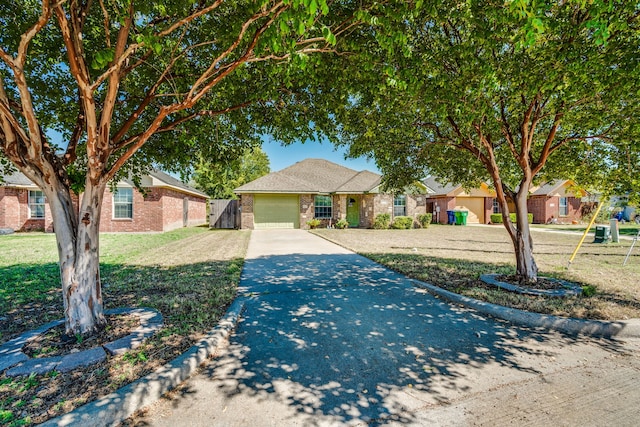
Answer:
(313, 223)
(497, 218)
(382, 221)
(342, 224)
(402, 223)
(425, 219)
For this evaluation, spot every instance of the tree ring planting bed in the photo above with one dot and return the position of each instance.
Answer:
(16, 363)
(564, 289)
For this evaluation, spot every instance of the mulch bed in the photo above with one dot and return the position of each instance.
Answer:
(55, 342)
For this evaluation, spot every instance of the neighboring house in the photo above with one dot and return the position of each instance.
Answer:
(442, 198)
(558, 200)
(166, 204)
(552, 201)
(316, 188)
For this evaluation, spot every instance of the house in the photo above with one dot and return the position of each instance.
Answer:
(316, 188)
(557, 199)
(166, 204)
(479, 202)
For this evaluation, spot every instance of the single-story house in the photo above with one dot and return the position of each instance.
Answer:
(317, 188)
(166, 204)
(448, 197)
(558, 200)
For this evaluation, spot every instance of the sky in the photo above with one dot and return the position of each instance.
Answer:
(281, 157)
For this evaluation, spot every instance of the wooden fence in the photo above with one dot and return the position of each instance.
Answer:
(224, 214)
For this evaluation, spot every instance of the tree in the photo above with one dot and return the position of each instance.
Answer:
(511, 93)
(219, 179)
(135, 85)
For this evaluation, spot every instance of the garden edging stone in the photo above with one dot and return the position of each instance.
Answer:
(615, 329)
(114, 408)
(17, 363)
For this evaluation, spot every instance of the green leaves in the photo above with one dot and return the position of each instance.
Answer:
(102, 59)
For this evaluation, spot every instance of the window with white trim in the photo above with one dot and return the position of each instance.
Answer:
(400, 205)
(323, 207)
(37, 202)
(123, 203)
(496, 206)
(564, 207)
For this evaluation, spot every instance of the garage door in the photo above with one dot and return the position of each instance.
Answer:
(475, 206)
(276, 211)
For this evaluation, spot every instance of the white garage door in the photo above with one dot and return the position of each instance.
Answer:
(475, 206)
(276, 211)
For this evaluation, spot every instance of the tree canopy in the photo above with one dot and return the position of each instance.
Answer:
(511, 93)
(219, 179)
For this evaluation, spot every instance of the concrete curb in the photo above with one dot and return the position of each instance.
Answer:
(596, 328)
(121, 404)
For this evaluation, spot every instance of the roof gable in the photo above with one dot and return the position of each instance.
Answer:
(313, 176)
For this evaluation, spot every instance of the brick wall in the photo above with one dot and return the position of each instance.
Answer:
(366, 211)
(445, 204)
(160, 210)
(246, 211)
(545, 208)
(307, 210)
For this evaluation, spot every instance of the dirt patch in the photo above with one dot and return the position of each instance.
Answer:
(55, 342)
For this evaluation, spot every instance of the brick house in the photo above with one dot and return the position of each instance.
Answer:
(166, 204)
(317, 188)
(557, 199)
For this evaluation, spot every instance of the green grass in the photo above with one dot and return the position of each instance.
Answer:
(626, 229)
(190, 275)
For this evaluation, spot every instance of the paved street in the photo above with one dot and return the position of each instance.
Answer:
(331, 338)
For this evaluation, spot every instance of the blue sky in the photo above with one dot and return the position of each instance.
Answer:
(281, 157)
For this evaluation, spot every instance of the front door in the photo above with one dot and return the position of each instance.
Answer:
(353, 212)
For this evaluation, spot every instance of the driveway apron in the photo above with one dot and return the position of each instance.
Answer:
(330, 338)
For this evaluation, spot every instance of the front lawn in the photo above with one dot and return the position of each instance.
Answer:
(190, 275)
(453, 257)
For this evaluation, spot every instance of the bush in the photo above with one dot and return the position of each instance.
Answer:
(425, 219)
(342, 224)
(313, 223)
(382, 221)
(402, 223)
(497, 218)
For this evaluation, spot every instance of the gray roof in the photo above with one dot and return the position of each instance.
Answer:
(18, 179)
(313, 176)
(434, 187)
(175, 183)
(549, 188)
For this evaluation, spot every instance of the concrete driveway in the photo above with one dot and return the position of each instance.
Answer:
(331, 338)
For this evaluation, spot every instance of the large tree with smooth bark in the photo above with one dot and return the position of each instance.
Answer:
(92, 91)
(510, 93)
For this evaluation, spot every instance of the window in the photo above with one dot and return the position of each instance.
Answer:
(564, 207)
(323, 207)
(36, 204)
(123, 203)
(496, 206)
(400, 205)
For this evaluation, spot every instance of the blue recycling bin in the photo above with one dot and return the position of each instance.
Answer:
(451, 217)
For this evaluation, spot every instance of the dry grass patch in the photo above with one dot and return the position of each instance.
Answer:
(454, 258)
(189, 275)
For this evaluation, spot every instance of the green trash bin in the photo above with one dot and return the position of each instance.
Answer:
(458, 215)
(463, 217)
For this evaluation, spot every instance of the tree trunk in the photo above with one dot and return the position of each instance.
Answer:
(526, 268)
(77, 235)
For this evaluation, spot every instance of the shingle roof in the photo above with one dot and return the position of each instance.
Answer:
(175, 183)
(313, 176)
(17, 179)
(437, 189)
(548, 188)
